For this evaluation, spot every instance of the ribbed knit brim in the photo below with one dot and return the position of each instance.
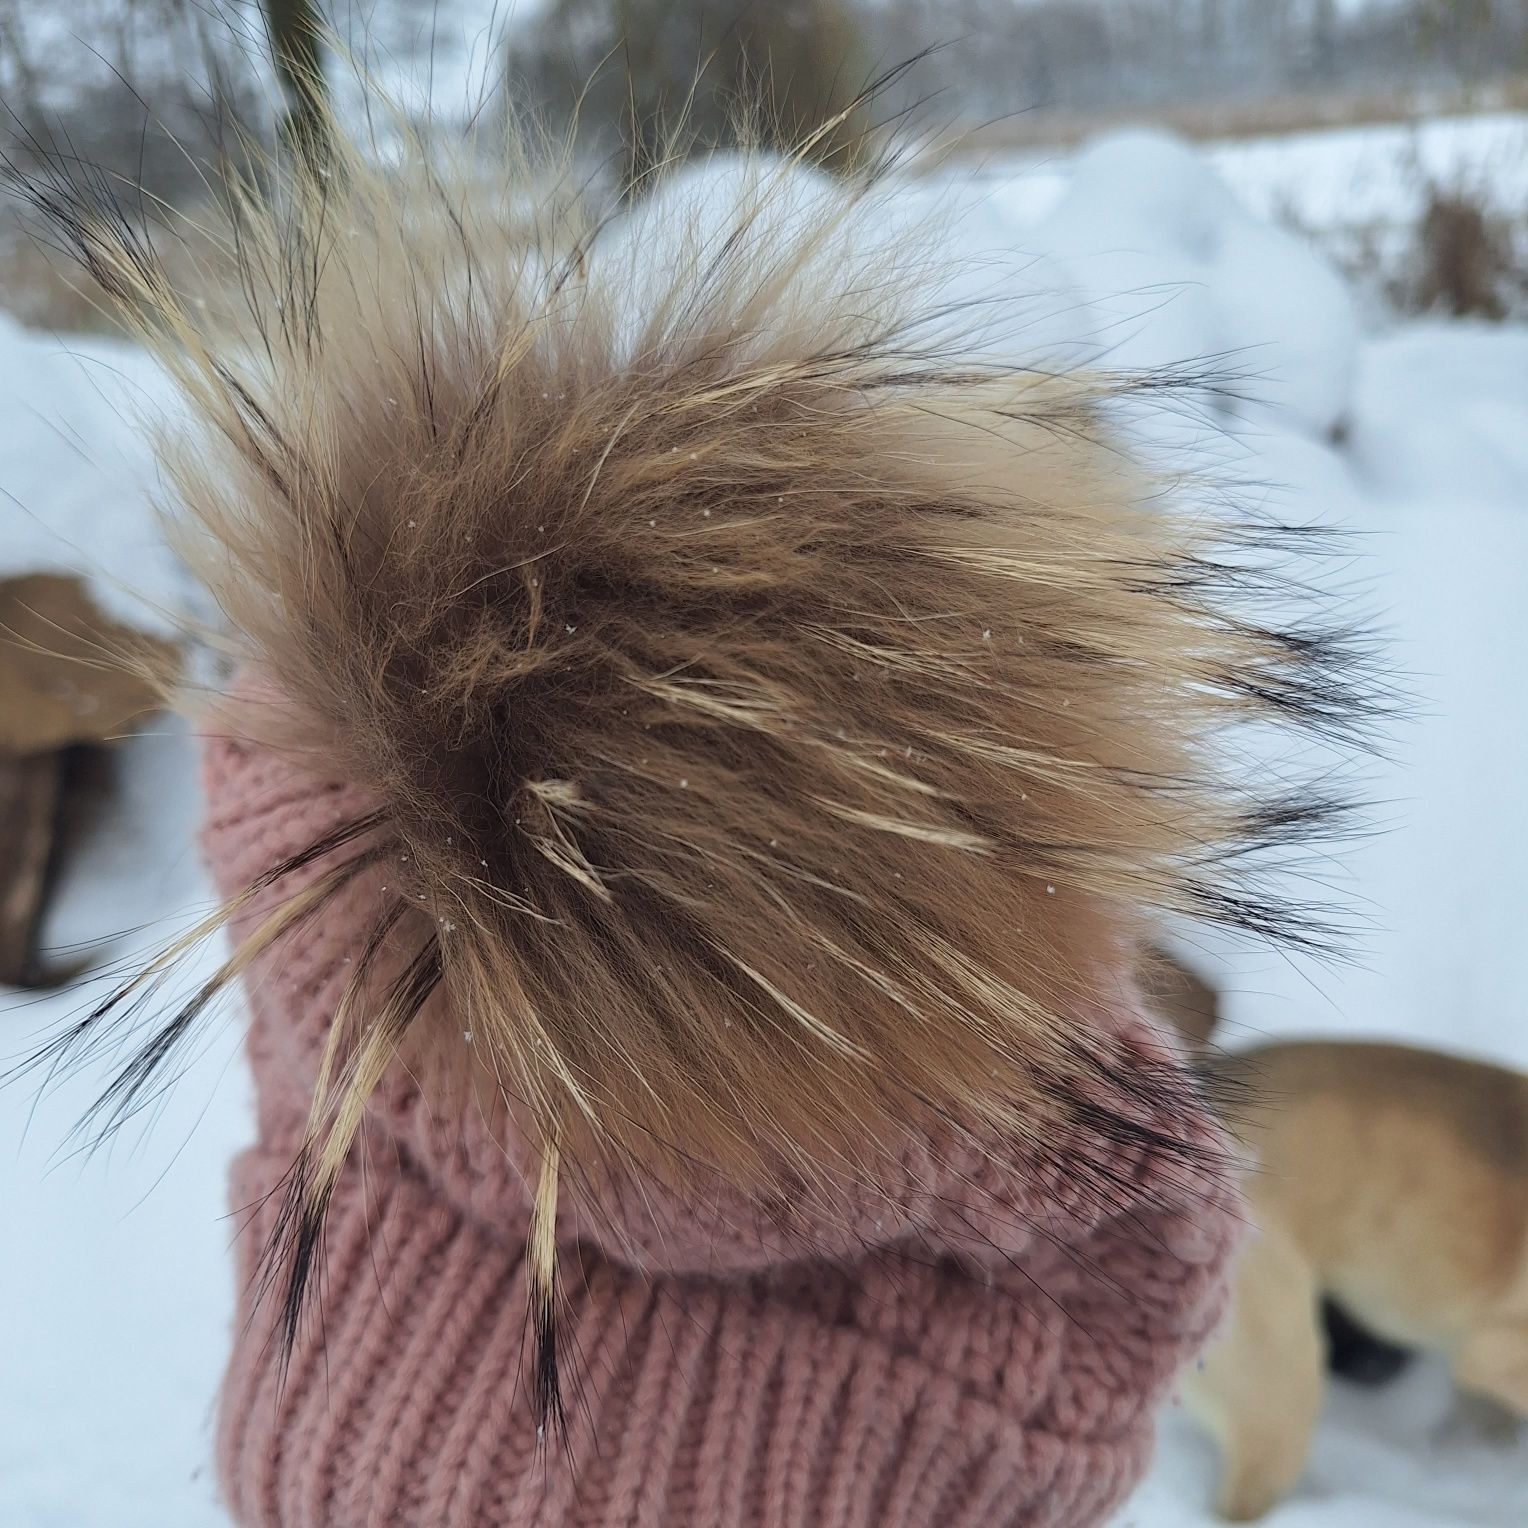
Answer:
(910, 1384)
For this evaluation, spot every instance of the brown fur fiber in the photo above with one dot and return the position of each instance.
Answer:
(785, 733)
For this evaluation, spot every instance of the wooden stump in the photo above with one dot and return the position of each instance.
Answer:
(70, 677)
(29, 796)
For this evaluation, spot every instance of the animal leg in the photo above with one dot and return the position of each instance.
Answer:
(1259, 1389)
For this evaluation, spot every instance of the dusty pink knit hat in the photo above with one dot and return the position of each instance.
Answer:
(691, 1010)
(700, 1079)
(983, 1347)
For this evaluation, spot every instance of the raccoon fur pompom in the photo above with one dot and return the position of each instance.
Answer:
(781, 726)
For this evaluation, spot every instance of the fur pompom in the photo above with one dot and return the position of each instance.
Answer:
(781, 727)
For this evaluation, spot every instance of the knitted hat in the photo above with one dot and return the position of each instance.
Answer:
(979, 1346)
(713, 744)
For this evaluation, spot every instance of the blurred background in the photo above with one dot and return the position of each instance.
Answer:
(1413, 187)
(1322, 202)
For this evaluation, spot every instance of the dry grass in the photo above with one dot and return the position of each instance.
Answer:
(1264, 116)
(1464, 255)
(1465, 258)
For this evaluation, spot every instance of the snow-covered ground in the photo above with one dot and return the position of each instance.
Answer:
(116, 1281)
(1363, 175)
(1361, 191)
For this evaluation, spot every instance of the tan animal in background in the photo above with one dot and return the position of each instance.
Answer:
(1179, 995)
(1394, 1180)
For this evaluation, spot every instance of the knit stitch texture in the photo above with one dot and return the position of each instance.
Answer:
(981, 1347)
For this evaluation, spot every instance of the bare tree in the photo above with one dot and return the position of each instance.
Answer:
(295, 30)
(142, 102)
(646, 72)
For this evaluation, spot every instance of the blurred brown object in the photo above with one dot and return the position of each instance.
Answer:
(68, 673)
(29, 794)
(70, 677)
(1465, 257)
(1388, 1178)
(669, 77)
(1182, 997)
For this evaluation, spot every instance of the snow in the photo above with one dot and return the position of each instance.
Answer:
(1401, 1457)
(76, 478)
(1406, 445)
(117, 1279)
(1181, 273)
(1378, 174)
(1370, 175)
(117, 1275)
